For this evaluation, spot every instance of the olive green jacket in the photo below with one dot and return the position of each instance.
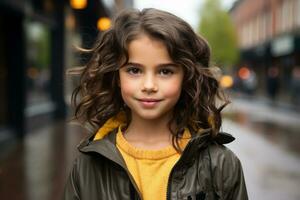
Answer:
(207, 170)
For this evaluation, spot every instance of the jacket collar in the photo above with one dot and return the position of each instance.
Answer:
(220, 138)
(107, 145)
(120, 119)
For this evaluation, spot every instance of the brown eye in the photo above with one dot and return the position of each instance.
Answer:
(133, 70)
(166, 72)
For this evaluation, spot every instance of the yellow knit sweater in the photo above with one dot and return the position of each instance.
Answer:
(150, 168)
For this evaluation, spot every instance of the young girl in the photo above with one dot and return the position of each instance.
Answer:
(149, 92)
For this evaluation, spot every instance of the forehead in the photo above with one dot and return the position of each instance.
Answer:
(145, 47)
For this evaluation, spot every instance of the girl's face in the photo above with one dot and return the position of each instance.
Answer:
(150, 82)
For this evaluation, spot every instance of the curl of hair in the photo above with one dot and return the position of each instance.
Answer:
(98, 96)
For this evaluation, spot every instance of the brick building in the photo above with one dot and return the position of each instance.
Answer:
(269, 35)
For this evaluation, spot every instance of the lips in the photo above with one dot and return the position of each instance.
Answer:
(149, 100)
(149, 103)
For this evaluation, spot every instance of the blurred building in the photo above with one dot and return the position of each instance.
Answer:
(36, 39)
(269, 36)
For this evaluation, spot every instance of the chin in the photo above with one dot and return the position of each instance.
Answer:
(151, 115)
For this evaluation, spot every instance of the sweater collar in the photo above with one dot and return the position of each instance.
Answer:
(150, 154)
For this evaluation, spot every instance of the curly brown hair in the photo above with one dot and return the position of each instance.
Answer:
(99, 94)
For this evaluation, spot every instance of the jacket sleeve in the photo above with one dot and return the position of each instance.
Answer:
(237, 190)
(71, 188)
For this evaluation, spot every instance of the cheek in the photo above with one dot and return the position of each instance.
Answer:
(126, 86)
(126, 90)
(173, 89)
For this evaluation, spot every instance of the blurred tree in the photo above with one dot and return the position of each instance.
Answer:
(43, 45)
(216, 26)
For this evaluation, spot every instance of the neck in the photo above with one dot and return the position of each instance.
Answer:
(149, 132)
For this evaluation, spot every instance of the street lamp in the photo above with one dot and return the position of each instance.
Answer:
(78, 4)
(103, 23)
(226, 81)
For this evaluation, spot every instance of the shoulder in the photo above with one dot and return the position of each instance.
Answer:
(88, 162)
(223, 158)
(87, 166)
(222, 152)
(226, 167)
(214, 149)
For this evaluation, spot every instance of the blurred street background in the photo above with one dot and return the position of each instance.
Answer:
(255, 43)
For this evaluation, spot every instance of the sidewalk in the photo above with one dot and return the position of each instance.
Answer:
(270, 172)
(37, 167)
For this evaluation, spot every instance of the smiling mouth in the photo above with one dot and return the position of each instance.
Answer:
(149, 103)
(150, 100)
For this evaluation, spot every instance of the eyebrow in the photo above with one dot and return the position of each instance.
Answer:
(160, 65)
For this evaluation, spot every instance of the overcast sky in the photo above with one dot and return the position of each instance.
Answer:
(186, 9)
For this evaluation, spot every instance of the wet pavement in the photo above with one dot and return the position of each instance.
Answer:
(267, 143)
(37, 167)
(279, 126)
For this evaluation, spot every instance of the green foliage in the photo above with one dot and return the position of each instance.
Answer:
(43, 45)
(38, 44)
(216, 26)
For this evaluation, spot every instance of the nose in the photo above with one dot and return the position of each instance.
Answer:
(149, 84)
